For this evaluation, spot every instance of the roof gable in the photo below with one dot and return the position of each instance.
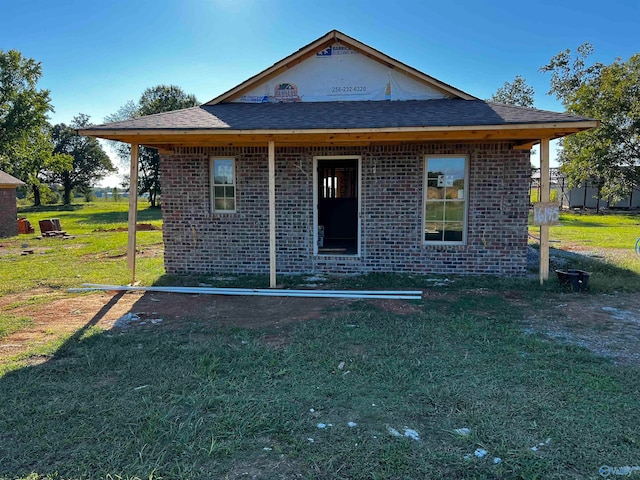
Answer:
(337, 67)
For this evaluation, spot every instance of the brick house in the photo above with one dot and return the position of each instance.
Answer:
(8, 205)
(341, 159)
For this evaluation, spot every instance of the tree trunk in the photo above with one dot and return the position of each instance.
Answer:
(66, 182)
(36, 196)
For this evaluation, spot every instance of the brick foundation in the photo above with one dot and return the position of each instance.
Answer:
(197, 241)
(8, 212)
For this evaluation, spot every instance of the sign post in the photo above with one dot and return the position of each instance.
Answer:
(544, 200)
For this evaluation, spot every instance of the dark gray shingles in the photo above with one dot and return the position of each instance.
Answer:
(343, 115)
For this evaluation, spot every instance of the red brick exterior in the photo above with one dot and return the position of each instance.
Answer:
(197, 241)
(8, 212)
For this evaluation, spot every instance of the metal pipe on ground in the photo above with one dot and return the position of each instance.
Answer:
(281, 290)
(355, 294)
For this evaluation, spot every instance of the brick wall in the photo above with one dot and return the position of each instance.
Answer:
(8, 212)
(197, 241)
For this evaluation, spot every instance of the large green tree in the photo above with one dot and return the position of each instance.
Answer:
(607, 156)
(90, 162)
(517, 93)
(25, 150)
(158, 99)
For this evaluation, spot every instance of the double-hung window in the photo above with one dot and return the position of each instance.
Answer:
(223, 185)
(445, 199)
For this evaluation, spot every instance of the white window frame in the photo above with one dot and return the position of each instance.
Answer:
(425, 184)
(213, 184)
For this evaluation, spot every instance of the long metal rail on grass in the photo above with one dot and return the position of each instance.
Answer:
(363, 294)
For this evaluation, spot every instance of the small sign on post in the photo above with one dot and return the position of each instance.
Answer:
(546, 213)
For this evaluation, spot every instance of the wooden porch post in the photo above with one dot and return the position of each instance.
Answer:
(133, 212)
(544, 198)
(272, 214)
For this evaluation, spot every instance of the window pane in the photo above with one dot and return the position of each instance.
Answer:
(223, 171)
(451, 168)
(454, 211)
(229, 204)
(218, 192)
(219, 204)
(434, 211)
(435, 193)
(453, 232)
(431, 234)
(229, 192)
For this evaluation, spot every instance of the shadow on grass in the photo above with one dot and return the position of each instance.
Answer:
(52, 208)
(568, 222)
(145, 215)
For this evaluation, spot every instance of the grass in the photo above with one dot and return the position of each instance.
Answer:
(95, 255)
(12, 323)
(196, 401)
(610, 231)
(192, 400)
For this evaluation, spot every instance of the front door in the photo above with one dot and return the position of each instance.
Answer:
(338, 206)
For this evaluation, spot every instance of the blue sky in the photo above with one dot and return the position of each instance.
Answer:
(98, 55)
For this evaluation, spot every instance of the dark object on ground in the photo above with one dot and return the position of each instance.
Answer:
(578, 280)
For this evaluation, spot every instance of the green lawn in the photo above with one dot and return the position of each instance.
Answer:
(195, 400)
(95, 255)
(617, 230)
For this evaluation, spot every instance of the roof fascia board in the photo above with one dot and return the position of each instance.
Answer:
(582, 125)
(325, 41)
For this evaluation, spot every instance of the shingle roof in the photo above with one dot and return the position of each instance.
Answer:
(8, 180)
(343, 115)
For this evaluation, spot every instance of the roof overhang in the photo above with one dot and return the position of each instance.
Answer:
(523, 136)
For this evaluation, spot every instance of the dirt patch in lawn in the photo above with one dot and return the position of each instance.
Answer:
(608, 325)
(63, 314)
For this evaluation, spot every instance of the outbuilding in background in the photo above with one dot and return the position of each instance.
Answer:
(8, 205)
